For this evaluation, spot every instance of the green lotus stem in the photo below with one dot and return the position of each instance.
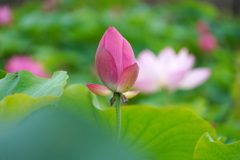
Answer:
(118, 116)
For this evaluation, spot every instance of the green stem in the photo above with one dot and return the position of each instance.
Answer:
(118, 116)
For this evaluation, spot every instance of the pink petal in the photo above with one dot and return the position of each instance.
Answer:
(5, 15)
(130, 94)
(207, 42)
(147, 86)
(22, 62)
(167, 59)
(147, 58)
(175, 79)
(167, 53)
(195, 78)
(99, 90)
(106, 68)
(149, 73)
(112, 41)
(128, 78)
(185, 60)
(127, 55)
(166, 63)
(148, 65)
(174, 67)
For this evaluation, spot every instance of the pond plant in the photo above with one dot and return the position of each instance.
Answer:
(56, 103)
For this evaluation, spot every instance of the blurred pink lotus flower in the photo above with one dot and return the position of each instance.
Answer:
(5, 15)
(116, 66)
(21, 62)
(207, 42)
(168, 71)
(202, 26)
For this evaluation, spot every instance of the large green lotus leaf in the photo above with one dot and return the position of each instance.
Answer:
(2, 74)
(165, 134)
(17, 106)
(209, 148)
(53, 133)
(24, 92)
(77, 98)
(27, 83)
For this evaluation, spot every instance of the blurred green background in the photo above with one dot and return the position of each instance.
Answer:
(64, 35)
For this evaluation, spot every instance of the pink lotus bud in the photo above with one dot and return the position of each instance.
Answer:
(207, 42)
(18, 63)
(115, 64)
(169, 71)
(5, 15)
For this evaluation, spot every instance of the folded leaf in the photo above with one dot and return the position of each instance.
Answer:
(23, 93)
(212, 149)
(27, 83)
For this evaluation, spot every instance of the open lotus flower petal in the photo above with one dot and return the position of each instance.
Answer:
(167, 57)
(185, 60)
(168, 71)
(147, 86)
(149, 74)
(130, 94)
(99, 90)
(195, 78)
(128, 78)
(174, 79)
(115, 63)
(5, 15)
(149, 63)
(207, 42)
(22, 62)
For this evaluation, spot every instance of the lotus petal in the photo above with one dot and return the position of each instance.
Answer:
(128, 78)
(130, 94)
(106, 68)
(99, 90)
(112, 41)
(127, 54)
(195, 78)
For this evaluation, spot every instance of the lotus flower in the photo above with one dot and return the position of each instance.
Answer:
(116, 66)
(202, 26)
(5, 15)
(207, 42)
(168, 71)
(18, 63)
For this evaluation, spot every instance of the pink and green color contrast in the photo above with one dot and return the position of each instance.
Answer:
(23, 62)
(5, 16)
(207, 41)
(116, 66)
(168, 71)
